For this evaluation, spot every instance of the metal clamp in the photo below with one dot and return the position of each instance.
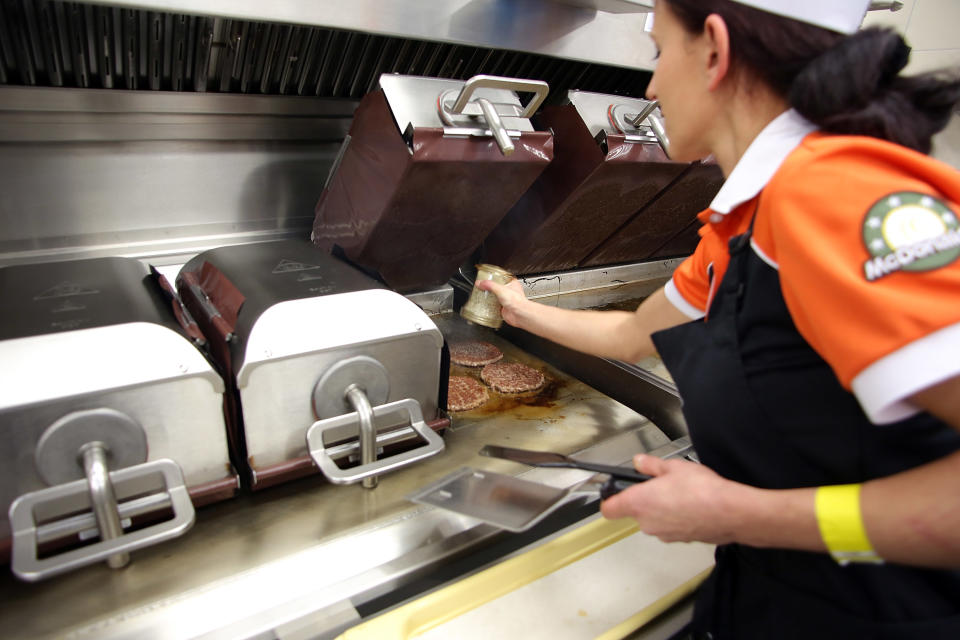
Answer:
(407, 408)
(36, 510)
(539, 88)
(452, 103)
(639, 127)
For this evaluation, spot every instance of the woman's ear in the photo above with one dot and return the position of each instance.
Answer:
(717, 42)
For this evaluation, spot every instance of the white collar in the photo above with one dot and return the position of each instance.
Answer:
(761, 160)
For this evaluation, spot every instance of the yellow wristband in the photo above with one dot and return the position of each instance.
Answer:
(841, 524)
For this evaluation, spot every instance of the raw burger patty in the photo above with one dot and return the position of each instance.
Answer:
(465, 393)
(474, 353)
(511, 377)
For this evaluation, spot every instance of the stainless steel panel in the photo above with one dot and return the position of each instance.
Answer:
(196, 183)
(597, 287)
(151, 200)
(39, 114)
(433, 301)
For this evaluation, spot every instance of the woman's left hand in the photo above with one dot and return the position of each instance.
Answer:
(684, 502)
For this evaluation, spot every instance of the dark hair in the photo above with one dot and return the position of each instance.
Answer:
(843, 84)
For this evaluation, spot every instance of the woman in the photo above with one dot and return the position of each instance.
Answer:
(821, 377)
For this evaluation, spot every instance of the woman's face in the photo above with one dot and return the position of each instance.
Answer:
(680, 84)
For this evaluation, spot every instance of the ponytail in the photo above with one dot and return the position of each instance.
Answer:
(855, 88)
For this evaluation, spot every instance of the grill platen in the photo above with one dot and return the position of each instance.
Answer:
(316, 353)
(103, 396)
(418, 185)
(609, 177)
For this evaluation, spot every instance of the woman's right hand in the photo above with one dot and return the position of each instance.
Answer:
(511, 297)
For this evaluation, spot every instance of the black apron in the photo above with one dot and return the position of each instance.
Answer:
(765, 410)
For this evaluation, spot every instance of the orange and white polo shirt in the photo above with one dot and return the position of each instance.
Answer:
(865, 236)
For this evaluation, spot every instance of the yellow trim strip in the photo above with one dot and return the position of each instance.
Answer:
(648, 613)
(438, 607)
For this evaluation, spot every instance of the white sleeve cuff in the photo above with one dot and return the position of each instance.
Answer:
(677, 300)
(884, 386)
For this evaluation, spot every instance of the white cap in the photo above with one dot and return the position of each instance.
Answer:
(844, 16)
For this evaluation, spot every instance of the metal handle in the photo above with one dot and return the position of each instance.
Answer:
(408, 408)
(368, 434)
(103, 498)
(539, 88)
(888, 5)
(37, 509)
(656, 124)
(496, 126)
(645, 112)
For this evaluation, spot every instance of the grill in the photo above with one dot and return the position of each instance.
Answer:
(89, 366)
(210, 139)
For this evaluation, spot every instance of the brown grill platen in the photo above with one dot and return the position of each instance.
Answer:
(414, 213)
(589, 190)
(69, 44)
(667, 227)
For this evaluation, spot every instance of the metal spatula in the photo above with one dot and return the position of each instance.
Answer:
(547, 459)
(513, 503)
(504, 501)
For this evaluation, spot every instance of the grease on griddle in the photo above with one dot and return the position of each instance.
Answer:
(543, 398)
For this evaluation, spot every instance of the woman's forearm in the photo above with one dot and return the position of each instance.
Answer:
(912, 517)
(622, 335)
(601, 333)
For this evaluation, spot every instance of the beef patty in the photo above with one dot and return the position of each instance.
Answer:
(474, 353)
(465, 393)
(512, 377)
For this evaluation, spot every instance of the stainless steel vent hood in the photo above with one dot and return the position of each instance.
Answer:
(595, 31)
(317, 49)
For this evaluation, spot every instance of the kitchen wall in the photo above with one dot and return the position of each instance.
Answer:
(931, 28)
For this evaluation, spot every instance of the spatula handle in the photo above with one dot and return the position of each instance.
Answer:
(621, 473)
(614, 486)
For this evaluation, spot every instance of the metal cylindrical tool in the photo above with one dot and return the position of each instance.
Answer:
(483, 307)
